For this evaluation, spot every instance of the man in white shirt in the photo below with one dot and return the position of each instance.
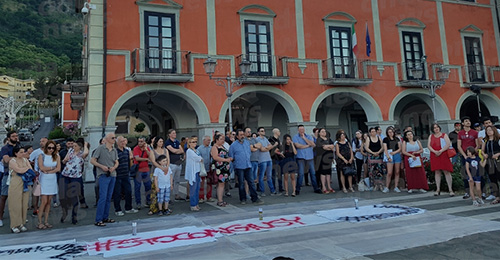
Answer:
(33, 157)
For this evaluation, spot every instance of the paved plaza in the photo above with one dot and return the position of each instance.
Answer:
(449, 229)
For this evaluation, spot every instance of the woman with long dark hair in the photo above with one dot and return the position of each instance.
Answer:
(392, 149)
(415, 177)
(377, 169)
(221, 162)
(49, 164)
(324, 154)
(491, 153)
(288, 164)
(357, 149)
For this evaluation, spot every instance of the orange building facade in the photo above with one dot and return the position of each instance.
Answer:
(145, 59)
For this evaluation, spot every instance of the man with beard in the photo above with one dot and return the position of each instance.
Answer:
(6, 153)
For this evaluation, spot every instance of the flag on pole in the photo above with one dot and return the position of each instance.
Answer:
(354, 41)
(368, 42)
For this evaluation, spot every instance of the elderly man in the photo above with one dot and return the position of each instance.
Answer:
(122, 184)
(141, 157)
(204, 150)
(105, 160)
(305, 156)
(240, 151)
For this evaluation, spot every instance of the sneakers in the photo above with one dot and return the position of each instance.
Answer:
(1, 223)
(243, 202)
(422, 191)
(475, 203)
(410, 191)
(131, 211)
(491, 197)
(23, 228)
(56, 205)
(160, 213)
(466, 196)
(258, 202)
(262, 194)
(119, 213)
(386, 190)
(228, 194)
(397, 190)
(211, 200)
(480, 201)
(275, 194)
(201, 201)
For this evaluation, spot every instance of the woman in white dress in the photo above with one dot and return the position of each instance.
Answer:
(49, 164)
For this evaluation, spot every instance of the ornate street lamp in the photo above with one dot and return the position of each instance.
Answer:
(228, 83)
(136, 111)
(442, 74)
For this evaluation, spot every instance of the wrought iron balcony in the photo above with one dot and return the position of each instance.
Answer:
(346, 72)
(160, 65)
(482, 75)
(264, 69)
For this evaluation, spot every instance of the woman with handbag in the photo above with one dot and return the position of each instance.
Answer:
(415, 176)
(18, 196)
(158, 149)
(491, 153)
(438, 144)
(357, 149)
(344, 160)
(392, 156)
(377, 168)
(324, 153)
(221, 163)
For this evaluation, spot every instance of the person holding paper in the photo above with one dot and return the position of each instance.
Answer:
(392, 156)
(415, 176)
(438, 144)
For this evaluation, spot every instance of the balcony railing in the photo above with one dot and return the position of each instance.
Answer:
(346, 72)
(264, 69)
(160, 65)
(483, 75)
(406, 77)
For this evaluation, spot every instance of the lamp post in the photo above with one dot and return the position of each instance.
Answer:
(432, 85)
(228, 83)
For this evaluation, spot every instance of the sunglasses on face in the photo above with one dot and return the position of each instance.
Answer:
(51, 148)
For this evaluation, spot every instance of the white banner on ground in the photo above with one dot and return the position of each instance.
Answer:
(149, 241)
(269, 223)
(366, 213)
(63, 250)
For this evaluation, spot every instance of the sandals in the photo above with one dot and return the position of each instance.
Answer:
(167, 212)
(495, 201)
(293, 194)
(351, 189)
(437, 193)
(100, 224)
(48, 225)
(222, 204)
(15, 230)
(332, 191)
(452, 194)
(109, 220)
(344, 191)
(326, 192)
(41, 226)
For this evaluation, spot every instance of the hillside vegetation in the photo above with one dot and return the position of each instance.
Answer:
(40, 38)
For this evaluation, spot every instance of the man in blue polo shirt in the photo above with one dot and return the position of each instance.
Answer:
(305, 156)
(240, 151)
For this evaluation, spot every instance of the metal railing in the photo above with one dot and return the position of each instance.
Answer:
(156, 60)
(474, 73)
(346, 68)
(262, 65)
(406, 68)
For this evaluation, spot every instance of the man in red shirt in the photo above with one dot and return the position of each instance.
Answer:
(466, 137)
(141, 156)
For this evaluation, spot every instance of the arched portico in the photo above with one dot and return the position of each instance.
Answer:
(408, 95)
(490, 100)
(181, 106)
(270, 99)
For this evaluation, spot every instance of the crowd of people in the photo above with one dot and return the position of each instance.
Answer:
(52, 175)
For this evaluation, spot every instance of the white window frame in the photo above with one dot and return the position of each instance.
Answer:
(267, 17)
(338, 19)
(415, 26)
(170, 7)
(474, 32)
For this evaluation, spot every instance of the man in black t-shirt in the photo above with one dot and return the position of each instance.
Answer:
(176, 154)
(276, 156)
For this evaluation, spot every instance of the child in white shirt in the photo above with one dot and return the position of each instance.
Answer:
(164, 184)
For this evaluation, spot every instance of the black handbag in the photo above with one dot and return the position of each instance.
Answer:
(349, 171)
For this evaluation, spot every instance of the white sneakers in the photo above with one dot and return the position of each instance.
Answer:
(397, 190)
(131, 211)
(491, 197)
(119, 213)
(386, 190)
(422, 191)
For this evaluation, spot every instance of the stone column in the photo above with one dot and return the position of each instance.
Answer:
(447, 125)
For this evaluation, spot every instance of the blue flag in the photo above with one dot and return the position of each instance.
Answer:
(368, 42)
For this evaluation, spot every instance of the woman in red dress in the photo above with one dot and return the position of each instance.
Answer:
(438, 144)
(415, 177)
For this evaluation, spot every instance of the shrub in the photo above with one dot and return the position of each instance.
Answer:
(139, 127)
(457, 182)
(57, 133)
